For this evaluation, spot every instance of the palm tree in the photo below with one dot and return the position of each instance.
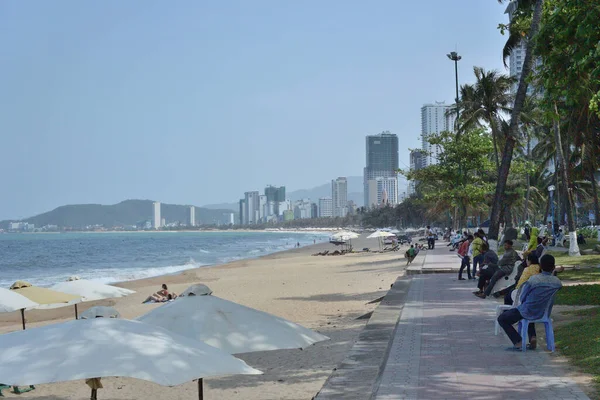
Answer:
(511, 139)
(485, 101)
(573, 249)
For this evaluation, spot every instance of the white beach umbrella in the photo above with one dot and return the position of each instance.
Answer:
(380, 234)
(90, 290)
(344, 235)
(104, 347)
(11, 301)
(197, 290)
(229, 326)
(99, 312)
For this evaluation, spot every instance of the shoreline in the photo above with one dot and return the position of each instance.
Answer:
(319, 231)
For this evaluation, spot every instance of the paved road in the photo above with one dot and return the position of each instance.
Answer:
(445, 348)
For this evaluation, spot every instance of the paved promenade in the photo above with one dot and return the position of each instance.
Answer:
(444, 348)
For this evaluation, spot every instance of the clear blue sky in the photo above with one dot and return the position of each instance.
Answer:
(198, 101)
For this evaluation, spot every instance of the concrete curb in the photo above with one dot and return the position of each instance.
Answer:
(357, 377)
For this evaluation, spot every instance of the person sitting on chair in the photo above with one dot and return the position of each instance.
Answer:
(536, 295)
(504, 268)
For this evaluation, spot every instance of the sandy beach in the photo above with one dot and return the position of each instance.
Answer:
(326, 294)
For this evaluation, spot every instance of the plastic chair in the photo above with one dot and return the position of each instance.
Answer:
(524, 324)
(500, 308)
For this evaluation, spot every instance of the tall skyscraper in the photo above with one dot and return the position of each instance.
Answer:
(435, 118)
(325, 207)
(156, 220)
(339, 196)
(263, 208)
(416, 163)
(192, 216)
(517, 55)
(381, 160)
(276, 195)
(243, 216)
(252, 210)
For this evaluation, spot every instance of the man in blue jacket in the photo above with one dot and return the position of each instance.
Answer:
(536, 294)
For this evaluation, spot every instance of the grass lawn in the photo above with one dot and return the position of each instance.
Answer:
(580, 343)
(562, 258)
(581, 275)
(580, 295)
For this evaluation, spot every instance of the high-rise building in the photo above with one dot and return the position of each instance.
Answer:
(302, 209)
(517, 55)
(192, 216)
(263, 208)
(275, 194)
(252, 210)
(381, 160)
(325, 207)
(156, 220)
(435, 118)
(314, 210)
(383, 191)
(339, 196)
(243, 217)
(416, 163)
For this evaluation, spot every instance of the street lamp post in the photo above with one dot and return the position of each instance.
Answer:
(453, 56)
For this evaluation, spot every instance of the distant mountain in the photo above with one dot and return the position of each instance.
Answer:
(355, 193)
(128, 212)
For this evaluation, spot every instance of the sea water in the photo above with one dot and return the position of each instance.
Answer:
(45, 259)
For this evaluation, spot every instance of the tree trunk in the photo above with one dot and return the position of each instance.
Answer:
(568, 200)
(495, 132)
(514, 127)
(545, 220)
(528, 192)
(595, 197)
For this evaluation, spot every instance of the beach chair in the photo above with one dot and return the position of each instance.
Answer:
(16, 389)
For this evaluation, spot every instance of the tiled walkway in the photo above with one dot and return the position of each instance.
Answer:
(445, 348)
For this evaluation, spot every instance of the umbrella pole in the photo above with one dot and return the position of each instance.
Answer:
(200, 390)
(76, 316)
(23, 317)
(94, 394)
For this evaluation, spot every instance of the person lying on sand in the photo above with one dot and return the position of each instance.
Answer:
(157, 298)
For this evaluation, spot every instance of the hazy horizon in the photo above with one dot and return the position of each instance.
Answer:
(198, 102)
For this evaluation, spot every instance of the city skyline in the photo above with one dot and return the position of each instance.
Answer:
(162, 80)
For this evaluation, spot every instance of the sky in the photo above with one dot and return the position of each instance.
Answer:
(197, 102)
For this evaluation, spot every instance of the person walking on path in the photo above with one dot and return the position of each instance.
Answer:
(536, 293)
(430, 238)
(504, 268)
(463, 252)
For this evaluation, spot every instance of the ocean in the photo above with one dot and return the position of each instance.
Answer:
(45, 259)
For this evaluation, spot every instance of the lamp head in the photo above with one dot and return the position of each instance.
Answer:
(453, 56)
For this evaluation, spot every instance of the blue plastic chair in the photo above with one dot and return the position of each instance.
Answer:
(524, 324)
